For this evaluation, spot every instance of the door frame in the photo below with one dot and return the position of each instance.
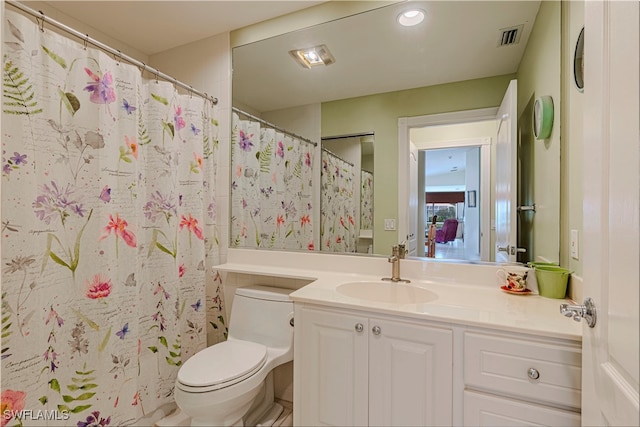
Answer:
(405, 124)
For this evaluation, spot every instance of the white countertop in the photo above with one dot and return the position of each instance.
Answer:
(466, 294)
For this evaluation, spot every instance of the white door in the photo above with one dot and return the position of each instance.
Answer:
(412, 235)
(610, 210)
(506, 176)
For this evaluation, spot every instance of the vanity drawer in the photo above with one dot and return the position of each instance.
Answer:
(508, 366)
(485, 410)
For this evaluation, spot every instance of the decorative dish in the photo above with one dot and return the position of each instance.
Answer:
(525, 291)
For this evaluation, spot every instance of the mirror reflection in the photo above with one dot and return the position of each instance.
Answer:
(346, 194)
(383, 74)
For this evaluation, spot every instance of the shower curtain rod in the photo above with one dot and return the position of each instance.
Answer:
(350, 135)
(271, 125)
(338, 157)
(41, 19)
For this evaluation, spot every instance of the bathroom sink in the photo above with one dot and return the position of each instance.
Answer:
(379, 291)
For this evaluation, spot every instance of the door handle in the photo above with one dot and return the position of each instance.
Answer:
(511, 250)
(531, 208)
(587, 311)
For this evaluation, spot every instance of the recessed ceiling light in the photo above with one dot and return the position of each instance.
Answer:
(411, 17)
(313, 56)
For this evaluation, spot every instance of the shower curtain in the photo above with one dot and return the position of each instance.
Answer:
(366, 200)
(337, 205)
(271, 189)
(108, 233)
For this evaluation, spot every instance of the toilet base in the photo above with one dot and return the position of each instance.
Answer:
(268, 418)
(175, 419)
(180, 419)
(264, 411)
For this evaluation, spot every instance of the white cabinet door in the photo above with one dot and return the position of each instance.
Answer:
(410, 374)
(331, 369)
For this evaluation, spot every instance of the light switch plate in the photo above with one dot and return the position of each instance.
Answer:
(389, 224)
(574, 244)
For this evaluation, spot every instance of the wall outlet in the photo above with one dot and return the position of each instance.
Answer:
(574, 244)
(389, 224)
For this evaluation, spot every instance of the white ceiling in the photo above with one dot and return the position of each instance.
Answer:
(444, 160)
(457, 41)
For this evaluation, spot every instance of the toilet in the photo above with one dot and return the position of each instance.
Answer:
(231, 383)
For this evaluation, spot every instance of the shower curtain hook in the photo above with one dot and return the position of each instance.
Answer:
(40, 21)
(85, 41)
(190, 91)
(144, 68)
(156, 76)
(118, 57)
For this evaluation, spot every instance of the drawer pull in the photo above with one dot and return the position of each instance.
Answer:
(359, 327)
(376, 330)
(533, 374)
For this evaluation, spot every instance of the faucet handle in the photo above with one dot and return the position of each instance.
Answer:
(402, 250)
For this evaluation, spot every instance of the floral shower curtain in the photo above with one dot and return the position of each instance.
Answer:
(271, 189)
(366, 200)
(109, 232)
(337, 205)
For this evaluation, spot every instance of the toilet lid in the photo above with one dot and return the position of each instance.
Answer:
(222, 363)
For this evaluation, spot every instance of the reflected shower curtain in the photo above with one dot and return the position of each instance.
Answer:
(271, 189)
(366, 200)
(337, 205)
(109, 232)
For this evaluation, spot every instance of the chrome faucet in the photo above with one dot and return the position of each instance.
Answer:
(398, 252)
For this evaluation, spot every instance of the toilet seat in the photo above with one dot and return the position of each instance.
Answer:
(221, 365)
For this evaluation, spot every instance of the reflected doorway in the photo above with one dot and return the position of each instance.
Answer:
(451, 194)
(446, 130)
(461, 167)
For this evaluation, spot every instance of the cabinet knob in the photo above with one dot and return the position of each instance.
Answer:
(376, 330)
(533, 373)
(359, 327)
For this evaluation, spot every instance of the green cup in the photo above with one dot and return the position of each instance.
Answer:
(552, 281)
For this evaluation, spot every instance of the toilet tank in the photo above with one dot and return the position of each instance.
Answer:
(262, 314)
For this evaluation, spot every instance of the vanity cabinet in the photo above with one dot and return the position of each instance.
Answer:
(511, 380)
(353, 368)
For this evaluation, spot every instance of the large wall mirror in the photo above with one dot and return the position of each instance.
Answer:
(459, 60)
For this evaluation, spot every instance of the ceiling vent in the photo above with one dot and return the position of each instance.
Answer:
(510, 36)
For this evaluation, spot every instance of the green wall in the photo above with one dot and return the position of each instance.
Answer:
(379, 114)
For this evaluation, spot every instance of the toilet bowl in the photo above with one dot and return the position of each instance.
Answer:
(230, 383)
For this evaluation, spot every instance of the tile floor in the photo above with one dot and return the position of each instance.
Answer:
(452, 250)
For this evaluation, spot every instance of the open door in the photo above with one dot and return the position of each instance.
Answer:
(506, 176)
(611, 247)
(412, 235)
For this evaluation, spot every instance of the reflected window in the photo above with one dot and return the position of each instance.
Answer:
(443, 211)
